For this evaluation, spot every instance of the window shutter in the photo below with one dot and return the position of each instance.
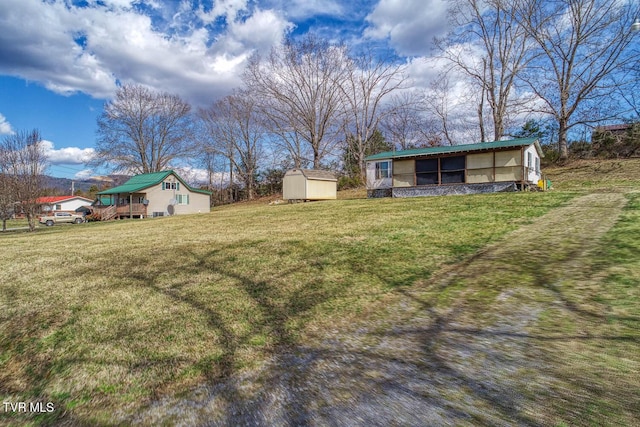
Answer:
(187, 199)
(163, 185)
(177, 186)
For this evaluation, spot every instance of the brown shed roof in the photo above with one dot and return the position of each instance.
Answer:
(316, 174)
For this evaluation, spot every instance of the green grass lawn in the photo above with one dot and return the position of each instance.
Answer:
(17, 223)
(105, 317)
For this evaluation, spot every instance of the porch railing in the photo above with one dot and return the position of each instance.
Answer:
(133, 209)
(105, 213)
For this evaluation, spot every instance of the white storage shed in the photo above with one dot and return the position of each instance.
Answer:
(309, 184)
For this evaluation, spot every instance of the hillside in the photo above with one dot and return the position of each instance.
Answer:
(63, 185)
(486, 309)
(585, 175)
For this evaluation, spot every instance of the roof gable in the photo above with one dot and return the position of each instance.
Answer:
(60, 199)
(480, 146)
(145, 180)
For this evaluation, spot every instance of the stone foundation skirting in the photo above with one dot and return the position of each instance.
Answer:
(445, 190)
(379, 193)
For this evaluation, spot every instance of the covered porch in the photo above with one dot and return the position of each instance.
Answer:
(119, 206)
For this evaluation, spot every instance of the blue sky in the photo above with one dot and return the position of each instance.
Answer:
(60, 60)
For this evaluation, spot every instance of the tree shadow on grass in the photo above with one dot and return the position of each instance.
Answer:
(349, 385)
(432, 372)
(438, 369)
(341, 383)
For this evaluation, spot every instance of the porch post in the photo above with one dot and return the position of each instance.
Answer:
(130, 206)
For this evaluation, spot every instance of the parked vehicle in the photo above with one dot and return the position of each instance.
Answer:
(60, 218)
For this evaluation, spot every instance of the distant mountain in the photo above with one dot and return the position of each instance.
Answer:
(63, 186)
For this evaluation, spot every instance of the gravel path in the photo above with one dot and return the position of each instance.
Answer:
(459, 366)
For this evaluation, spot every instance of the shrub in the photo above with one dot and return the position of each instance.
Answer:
(347, 182)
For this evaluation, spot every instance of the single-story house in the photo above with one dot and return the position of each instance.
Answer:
(309, 184)
(151, 195)
(620, 129)
(459, 169)
(62, 203)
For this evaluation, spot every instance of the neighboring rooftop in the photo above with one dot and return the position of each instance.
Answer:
(613, 128)
(58, 199)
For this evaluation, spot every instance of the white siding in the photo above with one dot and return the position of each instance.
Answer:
(70, 205)
(160, 200)
(294, 186)
(533, 175)
(372, 182)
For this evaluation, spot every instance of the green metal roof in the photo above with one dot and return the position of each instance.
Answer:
(104, 201)
(480, 146)
(146, 180)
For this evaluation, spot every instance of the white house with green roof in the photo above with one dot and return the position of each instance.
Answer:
(151, 195)
(458, 169)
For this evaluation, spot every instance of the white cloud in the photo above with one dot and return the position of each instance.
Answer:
(84, 174)
(222, 8)
(300, 9)
(262, 30)
(5, 126)
(89, 49)
(198, 176)
(67, 155)
(410, 25)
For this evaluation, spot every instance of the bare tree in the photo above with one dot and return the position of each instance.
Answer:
(446, 100)
(23, 162)
(236, 132)
(143, 131)
(406, 124)
(367, 84)
(299, 87)
(583, 44)
(7, 196)
(628, 89)
(215, 146)
(488, 46)
(286, 139)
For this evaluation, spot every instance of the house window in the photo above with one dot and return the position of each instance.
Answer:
(171, 186)
(452, 169)
(445, 170)
(529, 161)
(427, 171)
(58, 207)
(383, 170)
(157, 214)
(538, 164)
(182, 199)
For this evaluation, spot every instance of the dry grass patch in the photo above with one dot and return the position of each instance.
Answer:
(587, 175)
